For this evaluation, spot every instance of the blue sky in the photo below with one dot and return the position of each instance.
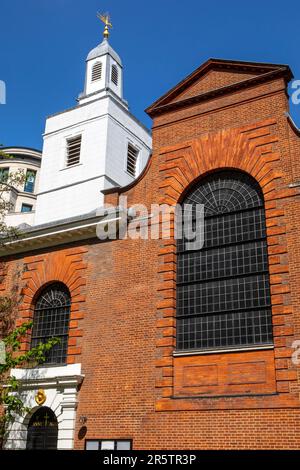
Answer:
(44, 44)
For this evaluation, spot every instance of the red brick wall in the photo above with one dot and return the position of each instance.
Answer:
(132, 386)
(213, 80)
(28, 275)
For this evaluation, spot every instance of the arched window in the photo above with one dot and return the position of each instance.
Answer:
(114, 74)
(42, 430)
(223, 294)
(96, 71)
(51, 319)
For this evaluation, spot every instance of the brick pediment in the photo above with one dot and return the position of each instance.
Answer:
(215, 77)
(212, 80)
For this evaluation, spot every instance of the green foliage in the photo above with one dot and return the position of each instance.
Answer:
(12, 182)
(9, 385)
(11, 403)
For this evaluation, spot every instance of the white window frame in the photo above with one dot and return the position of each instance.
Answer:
(107, 444)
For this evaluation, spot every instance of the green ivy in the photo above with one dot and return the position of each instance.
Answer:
(9, 385)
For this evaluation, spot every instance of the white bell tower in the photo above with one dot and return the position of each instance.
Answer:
(104, 72)
(93, 146)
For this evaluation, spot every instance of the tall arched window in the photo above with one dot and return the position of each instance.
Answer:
(223, 294)
(51, 319)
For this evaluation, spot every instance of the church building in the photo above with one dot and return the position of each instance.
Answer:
(161, 346)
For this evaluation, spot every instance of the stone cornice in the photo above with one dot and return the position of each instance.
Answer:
(61, 232)
(44, 377)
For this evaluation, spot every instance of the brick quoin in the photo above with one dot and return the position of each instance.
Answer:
(226, 115)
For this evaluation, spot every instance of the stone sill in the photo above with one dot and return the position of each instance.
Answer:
(221, 351)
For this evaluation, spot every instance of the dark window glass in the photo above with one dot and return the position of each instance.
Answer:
(42, 430)
(29, 181)
(223, 292)
(4, 174)
(51, 319)
(26, 208)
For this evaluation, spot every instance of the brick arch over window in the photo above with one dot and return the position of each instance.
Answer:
(67, 267)
(252, 149)
(249, 150)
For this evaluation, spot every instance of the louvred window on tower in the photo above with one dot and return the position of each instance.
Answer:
(132, 155)
(97, 71)
(73, 150)
(114, 74)
(223, 293)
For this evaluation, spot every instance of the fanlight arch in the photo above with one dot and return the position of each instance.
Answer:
(226, 191)
(223, 293)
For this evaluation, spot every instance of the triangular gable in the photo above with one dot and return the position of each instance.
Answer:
(212, 80)
(217, 74)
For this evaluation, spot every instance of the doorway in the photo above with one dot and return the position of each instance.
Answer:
(42, 430)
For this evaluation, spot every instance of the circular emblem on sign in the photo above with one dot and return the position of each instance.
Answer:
(40, 397)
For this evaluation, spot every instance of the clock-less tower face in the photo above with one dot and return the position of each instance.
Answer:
(93, 146)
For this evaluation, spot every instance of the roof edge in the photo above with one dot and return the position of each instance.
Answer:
(160, 108)
(19, 149)
(57, 233)
(292, 123)
(211, 63)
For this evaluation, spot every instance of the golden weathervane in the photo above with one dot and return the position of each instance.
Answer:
(105, 18)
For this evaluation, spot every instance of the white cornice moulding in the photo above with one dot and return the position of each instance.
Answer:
(56, 235)
(66, 376)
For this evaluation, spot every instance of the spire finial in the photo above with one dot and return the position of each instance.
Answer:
(105, 18)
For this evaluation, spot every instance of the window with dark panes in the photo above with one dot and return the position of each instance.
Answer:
(4, 172)
(26, 208)
(42, 431)
(51, 319)
(29, 181)
(223, 292)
